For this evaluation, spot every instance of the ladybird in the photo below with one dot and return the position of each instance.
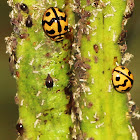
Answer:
(55, 23)
(29, 22)
(122, 79)
(49, 81)
(20, 129)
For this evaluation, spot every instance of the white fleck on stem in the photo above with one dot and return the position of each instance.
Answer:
(87, 117)
(89, 93)
(127, 57)
(114, 36)
(109, 29)
(19, 59)
(94, 34)
(31, 62)
(92, 81)
(42, 102)
(92, 121)
(108, 15)
(89, 54)
(36, 122)
(101, 46)
(114, 10)
(117, 64)
(36, 72)
(38, 115)
(133, 132)
(98, 126)
(39, 45)
(38, 93)
(38, 137)
(109, 88)
(22, 102)
(108, 3)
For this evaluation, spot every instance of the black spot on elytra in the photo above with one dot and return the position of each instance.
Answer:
(57, 18)
(43, 22)
(66, 28)
(50, 32)
(60, 10)
(118, 78)
(60, 38)
(123, 67)
(129, 73)
(126, 89)
(124, 84)
(47, 14)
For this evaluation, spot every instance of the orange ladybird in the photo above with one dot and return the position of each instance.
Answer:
(122, 79)
(55, 23)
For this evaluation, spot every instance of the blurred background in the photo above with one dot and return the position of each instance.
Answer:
(8, 108)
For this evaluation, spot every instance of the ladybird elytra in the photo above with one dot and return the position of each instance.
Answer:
(55, 23)
(122, 79)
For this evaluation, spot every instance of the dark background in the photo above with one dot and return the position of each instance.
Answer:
(8, 108)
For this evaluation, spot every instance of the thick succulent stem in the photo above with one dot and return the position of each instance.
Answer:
(80, 103)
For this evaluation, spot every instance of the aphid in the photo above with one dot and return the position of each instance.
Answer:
(128, 15)
(55, 23)
(122, 79)
(23, 36)
(12, 62)
(96, 3)
(29, 22)
(24, 8)
(20, 129)
(96, 59)
(96, 48)
(122, 36)
(49, 81)
(70, 35)
(115, 60)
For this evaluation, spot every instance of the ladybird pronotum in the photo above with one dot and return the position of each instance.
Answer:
(55, 23)
(122, 79)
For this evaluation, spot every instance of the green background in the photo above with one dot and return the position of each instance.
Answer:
(8, 108)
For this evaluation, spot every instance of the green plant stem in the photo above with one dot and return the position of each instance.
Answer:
(82, 104)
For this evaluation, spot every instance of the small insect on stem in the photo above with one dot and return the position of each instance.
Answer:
(29, 22)
(20, 129)
(49, 81)
(96, 48)
(24, 8)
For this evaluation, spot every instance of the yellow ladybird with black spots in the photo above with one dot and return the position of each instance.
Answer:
(122, 79)
(55, 23)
